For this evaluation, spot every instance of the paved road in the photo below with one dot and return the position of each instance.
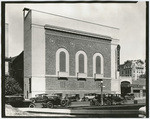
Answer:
(92, 111)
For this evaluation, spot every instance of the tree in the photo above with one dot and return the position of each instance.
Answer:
(12, 86)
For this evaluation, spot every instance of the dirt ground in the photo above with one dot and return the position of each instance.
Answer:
(11, 111)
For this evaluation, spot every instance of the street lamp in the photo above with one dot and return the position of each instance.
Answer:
(101, 86)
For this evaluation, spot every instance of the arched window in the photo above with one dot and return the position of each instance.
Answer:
(81, 64)
(62, 62)
(98, 65)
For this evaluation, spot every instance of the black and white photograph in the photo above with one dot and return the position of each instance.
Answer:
(75, 59)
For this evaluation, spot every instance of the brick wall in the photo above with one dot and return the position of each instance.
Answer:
(75, 86)
(73, 43)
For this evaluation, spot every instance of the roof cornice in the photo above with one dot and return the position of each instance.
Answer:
(77, 32)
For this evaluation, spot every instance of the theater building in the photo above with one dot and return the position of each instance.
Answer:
(59, 59)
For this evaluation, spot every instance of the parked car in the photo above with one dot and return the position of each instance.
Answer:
(17, 101)
(88, 96)
(115, 99)
(66, 101)
(142, 112)
(108, 99)
(97, 100)
(129, 96)
(51, 101)
(39, 98)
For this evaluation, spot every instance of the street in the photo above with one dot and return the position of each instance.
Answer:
(128, 110)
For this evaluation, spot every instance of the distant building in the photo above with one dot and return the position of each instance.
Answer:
(132, 68)
(64, 60)
(6, 40)
(15, 68)
(138, 87)
(132, 77)
(7, 59)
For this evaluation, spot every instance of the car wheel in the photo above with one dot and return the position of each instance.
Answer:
(32, 105)
(50, 105)
(63, 103)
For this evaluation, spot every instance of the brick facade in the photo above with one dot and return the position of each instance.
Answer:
(74, 43)
(42, 45)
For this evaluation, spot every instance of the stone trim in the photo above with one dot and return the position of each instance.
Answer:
(67, 30)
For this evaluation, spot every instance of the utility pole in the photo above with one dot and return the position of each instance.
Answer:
(101, 85)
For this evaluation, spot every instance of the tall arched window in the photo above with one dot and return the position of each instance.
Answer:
(98, 65)
(81, 64)
(62, 62)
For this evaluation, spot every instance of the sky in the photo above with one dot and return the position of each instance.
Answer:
(130, 18)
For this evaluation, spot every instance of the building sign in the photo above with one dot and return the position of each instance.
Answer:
(118, 57)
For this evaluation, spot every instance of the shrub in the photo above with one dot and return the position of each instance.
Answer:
(12, 87)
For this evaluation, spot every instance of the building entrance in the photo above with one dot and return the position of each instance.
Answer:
(125, 88)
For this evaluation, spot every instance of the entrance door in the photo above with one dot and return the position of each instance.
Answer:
(125, 88)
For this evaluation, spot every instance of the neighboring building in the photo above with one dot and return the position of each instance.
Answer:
(6, 40)
(15, 68)
(130, 76)
(64, 60)
(7, 60)
(132, 68)
(138, 87)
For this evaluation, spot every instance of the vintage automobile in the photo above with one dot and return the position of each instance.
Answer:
(115, 99)
(88, 96)
(17, 101)
(97, 100)
(51, 101)
(108, 99)
(46, 100)
(129, 96)
(66, 101)
(39, 98)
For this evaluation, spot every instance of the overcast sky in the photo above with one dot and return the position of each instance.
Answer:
(128, 17)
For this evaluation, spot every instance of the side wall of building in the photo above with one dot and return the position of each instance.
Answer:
(38, 60)
(27, 53)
